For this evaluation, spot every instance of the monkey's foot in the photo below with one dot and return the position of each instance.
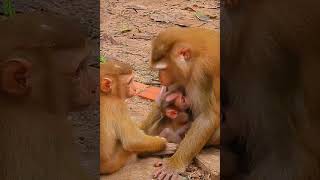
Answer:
(166, 171)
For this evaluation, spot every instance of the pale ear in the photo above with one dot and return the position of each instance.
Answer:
(172, 96)
(171, 113)
(105, 85)
(15, 77)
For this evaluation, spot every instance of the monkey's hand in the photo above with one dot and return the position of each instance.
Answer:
(170, 149)
(161, 95)
(166, 170)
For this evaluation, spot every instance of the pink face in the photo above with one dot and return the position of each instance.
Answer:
(171, 113)
(177, 116)
(165, 78)
(131, 88)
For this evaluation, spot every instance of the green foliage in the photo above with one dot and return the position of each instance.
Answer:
(8, 8)
(102, 59)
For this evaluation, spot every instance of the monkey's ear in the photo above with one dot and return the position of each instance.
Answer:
(171, 113)
(183, 50)
(15, 77)
(105, 85)
(172, 97)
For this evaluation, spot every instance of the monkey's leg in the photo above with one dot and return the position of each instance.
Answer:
(112, 155)
(118, 160)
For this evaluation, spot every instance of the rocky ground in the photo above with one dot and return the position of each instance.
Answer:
(127, 28)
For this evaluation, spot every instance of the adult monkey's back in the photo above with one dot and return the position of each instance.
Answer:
(270, 69)
(189, 57)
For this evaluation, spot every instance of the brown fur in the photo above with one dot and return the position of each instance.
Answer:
(201, 79)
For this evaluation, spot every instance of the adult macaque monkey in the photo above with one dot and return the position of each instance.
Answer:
(189, 57)
(43, 76)
(120, 137)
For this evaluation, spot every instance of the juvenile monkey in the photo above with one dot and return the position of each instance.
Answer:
(189, 57)
(120, 137)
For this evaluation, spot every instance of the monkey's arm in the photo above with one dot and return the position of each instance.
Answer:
(152, 117)
(200, 132)
(135, 140)
(204, 127)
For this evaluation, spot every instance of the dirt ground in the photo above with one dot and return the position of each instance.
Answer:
(127, 28)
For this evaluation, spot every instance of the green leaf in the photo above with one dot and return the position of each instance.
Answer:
(102, 59)
(8, 8)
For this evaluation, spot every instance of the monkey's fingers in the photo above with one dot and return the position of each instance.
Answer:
(163, 90)
(166, 174)
(160, 174)
(169, 176)
(157, 173)
(171, 147)
(161, 95)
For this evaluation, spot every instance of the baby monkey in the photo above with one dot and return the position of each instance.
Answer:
(176, 114)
